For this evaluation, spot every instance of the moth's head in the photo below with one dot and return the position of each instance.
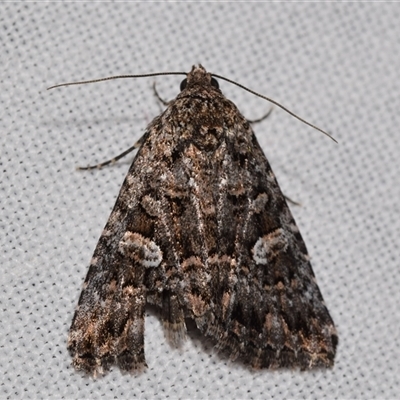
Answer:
(199, 76)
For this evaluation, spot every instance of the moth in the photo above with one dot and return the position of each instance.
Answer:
(202, 230)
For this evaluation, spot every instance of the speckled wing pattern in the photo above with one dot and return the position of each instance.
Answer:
(202, 230)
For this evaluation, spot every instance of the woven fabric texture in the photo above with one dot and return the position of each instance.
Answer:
(335, 64)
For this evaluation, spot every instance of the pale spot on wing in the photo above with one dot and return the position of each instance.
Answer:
(140, 249)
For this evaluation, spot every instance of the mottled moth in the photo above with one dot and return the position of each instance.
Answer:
(202, 230)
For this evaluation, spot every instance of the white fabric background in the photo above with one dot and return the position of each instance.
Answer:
(335, 64)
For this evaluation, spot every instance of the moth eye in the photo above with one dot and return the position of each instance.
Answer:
(214, 83)
(183, 84)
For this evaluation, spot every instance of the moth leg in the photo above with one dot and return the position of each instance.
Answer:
(265, 116)
(113, 160)
(165, 102)
(295, 203)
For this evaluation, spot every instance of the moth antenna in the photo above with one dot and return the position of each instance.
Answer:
(277, 104)
(109, 78)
